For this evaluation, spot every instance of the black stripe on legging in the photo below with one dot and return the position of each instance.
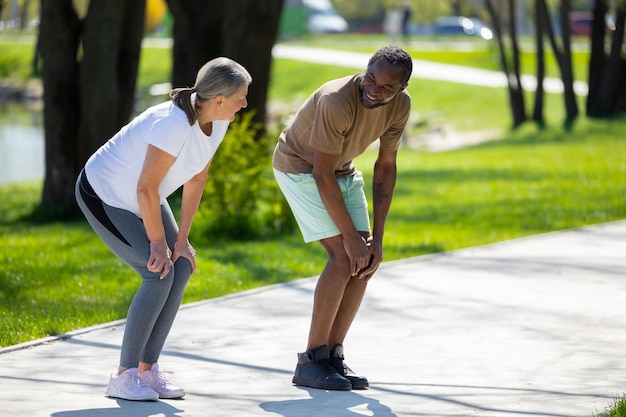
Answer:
(96, 208)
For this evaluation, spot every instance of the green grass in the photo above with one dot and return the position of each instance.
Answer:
(17, 58)
(615, 409)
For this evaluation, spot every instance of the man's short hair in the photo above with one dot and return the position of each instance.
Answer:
(395, 56)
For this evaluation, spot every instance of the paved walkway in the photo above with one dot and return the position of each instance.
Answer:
(529, 327)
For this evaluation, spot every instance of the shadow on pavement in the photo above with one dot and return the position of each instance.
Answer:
(127, 409)
(329, 403)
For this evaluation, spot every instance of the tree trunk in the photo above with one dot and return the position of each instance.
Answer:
(615, 79)
(541, 21)
(197, 37)
(565, 65)
(607, 74)
(563, 57)
(519, 108)
(620, 39)
(111, 43)
(243, 30)
(596, 59)
(516, 93)
(24, 14)
(250, 31)
(85, 101)
(59, 34)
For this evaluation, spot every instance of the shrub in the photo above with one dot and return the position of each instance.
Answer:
(241, 199)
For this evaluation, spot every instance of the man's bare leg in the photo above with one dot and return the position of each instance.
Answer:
(328, 295)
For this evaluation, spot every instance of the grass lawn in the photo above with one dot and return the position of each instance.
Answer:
(616, 409)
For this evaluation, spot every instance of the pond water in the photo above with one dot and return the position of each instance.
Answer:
(22, 147)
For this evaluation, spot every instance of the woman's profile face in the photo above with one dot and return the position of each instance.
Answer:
(231, 105)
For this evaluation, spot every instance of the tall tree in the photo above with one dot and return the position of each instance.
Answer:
(563, 56)
(243, 30)
(510, 66)
(542, 21)
(607, 72)
(564, 59)
(89, 74)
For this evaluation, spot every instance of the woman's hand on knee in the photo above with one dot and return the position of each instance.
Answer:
(160, 258)
(187, 251)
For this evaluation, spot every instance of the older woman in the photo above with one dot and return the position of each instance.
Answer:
(122, 192)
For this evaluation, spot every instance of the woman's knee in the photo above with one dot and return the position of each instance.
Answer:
(182, 268)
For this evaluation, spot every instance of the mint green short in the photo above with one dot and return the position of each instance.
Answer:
(308, 209)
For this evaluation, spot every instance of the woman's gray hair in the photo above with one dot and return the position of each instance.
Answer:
(218, 77)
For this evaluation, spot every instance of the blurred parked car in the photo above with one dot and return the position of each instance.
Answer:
(323, 18)
(461, 25)
(580, 23)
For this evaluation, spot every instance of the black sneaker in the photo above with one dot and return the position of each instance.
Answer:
(336, 360)
(314, 370)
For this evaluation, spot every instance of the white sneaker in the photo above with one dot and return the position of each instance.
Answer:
(156, 380)
(128, 386)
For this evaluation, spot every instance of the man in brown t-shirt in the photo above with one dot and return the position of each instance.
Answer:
(314, 169)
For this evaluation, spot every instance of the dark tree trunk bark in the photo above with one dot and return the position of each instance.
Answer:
(564, 59)
(615, 79)
(596, 60)
(607, 73)
(519, 107)
(251, 28)
(243, 30)
(59, 37)
(197, 37)
(620, 39)
(85, 100)
(516, 92)
(541, 21)
(111, 44)
(563, 56)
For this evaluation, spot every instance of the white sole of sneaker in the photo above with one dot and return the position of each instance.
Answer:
(114, 394)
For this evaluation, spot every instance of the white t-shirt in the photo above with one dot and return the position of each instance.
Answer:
(113, 170)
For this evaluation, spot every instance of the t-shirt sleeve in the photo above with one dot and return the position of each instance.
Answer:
(169, 134)
(329, 126)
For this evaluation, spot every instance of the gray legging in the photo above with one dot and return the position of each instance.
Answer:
(156, 302)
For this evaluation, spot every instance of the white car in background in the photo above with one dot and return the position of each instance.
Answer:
(461, 25)
(323, 18)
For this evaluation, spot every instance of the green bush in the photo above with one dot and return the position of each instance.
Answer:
(241, 199)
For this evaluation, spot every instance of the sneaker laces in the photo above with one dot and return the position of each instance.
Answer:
(324, 366)
(340, 365)
(134, 380)
(158, 376)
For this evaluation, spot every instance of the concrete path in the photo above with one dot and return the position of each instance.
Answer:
(529, 327)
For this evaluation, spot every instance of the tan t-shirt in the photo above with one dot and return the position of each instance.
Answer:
(332, 120)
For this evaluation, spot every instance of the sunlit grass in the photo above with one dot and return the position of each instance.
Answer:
(616, 409)
(17, 59)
